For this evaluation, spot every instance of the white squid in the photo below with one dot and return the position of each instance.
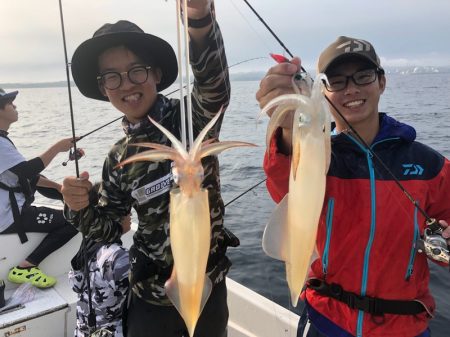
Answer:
(291, 232)
(190, 229)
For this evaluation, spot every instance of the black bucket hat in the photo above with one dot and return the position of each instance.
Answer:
(85, 59)
(7, 96)
(344, 47)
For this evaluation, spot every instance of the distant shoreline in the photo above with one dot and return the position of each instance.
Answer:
(241, 76)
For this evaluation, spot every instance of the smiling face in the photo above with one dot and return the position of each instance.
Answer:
(357, 103)
(134, 100)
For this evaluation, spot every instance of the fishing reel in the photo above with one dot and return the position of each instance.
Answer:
(102, 333)
(433, 244)
(72, 155)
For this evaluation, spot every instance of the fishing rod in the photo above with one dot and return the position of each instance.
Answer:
(72, 120)
(245, 192)
(271, 32)
(269, 29)
(91, 316)
(430, 221)
(433, 241)
(170, 93)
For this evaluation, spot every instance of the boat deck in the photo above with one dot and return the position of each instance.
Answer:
(52, 311)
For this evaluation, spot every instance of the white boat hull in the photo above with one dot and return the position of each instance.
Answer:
(52, 313)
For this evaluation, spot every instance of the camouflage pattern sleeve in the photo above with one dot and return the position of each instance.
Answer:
(211, 88)
(103, 221)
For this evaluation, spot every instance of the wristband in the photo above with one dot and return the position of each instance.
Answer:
(200, 23)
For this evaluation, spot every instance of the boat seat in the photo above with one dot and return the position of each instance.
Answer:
(12, 252)
(46, 309)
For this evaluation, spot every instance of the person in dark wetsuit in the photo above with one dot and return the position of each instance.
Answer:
(19, 179)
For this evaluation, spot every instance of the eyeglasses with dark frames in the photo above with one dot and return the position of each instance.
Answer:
(112, 80)
(361, 77)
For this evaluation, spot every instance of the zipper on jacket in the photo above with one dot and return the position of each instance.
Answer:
(360, 321)
(412, 255)
(329, 224)
(359, 326)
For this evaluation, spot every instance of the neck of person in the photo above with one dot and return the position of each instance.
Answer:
(4, 126)
(367, 130)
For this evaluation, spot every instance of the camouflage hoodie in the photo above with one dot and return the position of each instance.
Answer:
(108, 280)
(145, 186)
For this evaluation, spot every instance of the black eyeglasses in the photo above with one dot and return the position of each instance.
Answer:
(112, 79)
(362, 77)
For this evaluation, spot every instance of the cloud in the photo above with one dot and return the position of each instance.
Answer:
(403, 31)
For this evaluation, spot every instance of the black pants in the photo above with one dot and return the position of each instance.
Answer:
(312, 332)
(145, 319)
(45, 220)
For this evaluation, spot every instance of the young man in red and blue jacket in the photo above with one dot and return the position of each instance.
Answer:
(369, 279)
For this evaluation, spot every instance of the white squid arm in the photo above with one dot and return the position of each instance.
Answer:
(216, 148)
(151, 155)
(175, 142)
(198, 141)
(284, 104)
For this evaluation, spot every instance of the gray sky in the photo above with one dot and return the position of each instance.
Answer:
(404, 32)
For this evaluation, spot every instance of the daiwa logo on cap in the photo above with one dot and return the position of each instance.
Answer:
(355, 46)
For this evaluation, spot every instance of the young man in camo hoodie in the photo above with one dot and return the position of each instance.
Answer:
(129, 68)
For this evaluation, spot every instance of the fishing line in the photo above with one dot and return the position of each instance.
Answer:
(72, 120)
(269, 29)
(263, 41)
(168, 94)
(245, 192)
(180, 17)
(431, 223)
(91, 316)
(429, 220)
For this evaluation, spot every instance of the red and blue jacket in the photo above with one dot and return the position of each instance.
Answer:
(368, 227)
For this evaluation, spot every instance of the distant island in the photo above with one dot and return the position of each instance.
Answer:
(246, 76)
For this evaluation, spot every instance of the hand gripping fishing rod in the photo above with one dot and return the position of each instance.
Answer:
(433, 244)
(91, 317)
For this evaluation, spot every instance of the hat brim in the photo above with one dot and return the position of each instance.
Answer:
(345, 56)
(85, 59)
(9, 97)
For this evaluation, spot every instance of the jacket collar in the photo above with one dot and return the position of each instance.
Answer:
(389, 128)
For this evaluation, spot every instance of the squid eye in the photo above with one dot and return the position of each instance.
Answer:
(303, 119)
(176, 175)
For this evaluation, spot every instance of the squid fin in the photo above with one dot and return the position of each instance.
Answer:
(276, 231)
(173, 293)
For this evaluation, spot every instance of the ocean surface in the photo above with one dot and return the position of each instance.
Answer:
(421, 100)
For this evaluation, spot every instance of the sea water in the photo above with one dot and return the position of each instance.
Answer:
(421, 100)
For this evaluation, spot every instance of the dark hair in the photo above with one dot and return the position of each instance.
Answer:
(4, 103)
(350, 59)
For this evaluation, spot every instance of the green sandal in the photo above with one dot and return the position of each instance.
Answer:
(33, 275)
